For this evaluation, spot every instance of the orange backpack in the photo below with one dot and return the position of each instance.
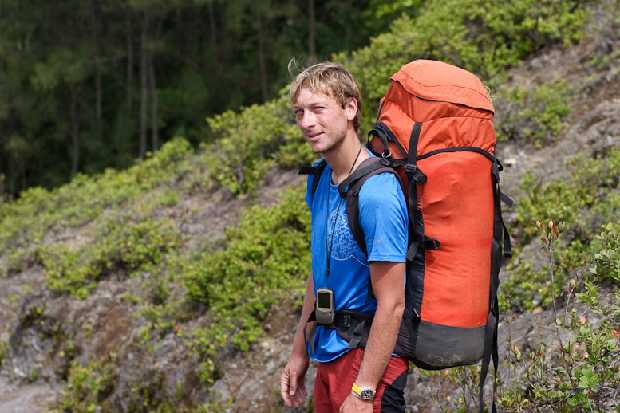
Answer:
(435, 126)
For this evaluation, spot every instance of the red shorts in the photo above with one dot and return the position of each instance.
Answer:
(334, 381)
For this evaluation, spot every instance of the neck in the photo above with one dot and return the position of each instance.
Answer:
(342, 158)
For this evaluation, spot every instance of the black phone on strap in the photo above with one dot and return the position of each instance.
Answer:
(324, 306)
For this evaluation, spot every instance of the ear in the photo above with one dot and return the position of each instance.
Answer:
(350, 109)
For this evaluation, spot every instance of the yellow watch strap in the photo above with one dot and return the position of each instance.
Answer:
(356, 389)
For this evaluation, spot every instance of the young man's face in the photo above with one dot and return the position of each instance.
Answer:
(322, 120)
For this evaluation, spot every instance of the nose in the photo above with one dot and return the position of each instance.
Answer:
(306, 119)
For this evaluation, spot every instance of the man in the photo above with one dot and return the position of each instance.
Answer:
(327, 105)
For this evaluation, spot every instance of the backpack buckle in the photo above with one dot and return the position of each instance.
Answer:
(385, 161)
(431, 243)
(415, 173)
(495, 172)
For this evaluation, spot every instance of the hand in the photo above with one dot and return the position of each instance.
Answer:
(293, 381)
(354, 405)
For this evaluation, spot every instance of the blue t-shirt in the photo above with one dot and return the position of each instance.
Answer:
(384, 221)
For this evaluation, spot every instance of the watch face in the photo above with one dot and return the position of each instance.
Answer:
(367, 394)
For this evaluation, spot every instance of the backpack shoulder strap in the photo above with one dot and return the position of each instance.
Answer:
(350, 189)
(316, 170)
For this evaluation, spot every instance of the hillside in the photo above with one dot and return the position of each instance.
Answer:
(174, 286)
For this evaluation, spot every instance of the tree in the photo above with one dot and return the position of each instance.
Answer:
(121, 76)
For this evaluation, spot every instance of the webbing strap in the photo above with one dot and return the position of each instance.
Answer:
(367, 167)
(506, 199)
(385, 135)
(490, 352)
(507, 243)
(428, 244)
(353, 326)
(475, 149)
(316, 171)
(501, 248)
(415, 176)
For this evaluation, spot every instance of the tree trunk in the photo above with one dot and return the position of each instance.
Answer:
(129, 62)
(75, 133)
(213, 38)
(144, 85)
(153, 95)
(3, 168)
(99, 100)
(261, 57)
(12, 173)
(311, 33)
(98, 88)
(153, 88)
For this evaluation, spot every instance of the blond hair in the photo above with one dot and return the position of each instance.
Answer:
(331, 79)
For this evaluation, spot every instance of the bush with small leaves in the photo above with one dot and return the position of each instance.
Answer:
(266, 258)
(532, 116)
(119, 248)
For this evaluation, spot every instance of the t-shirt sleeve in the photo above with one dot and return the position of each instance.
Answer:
(384, 219)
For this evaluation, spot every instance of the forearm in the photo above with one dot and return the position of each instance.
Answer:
(381, 342)
(292, 379)
(299, 341)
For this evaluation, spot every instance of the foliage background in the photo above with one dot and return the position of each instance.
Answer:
(86, 85)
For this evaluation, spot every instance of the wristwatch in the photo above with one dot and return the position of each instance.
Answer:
(363, 393)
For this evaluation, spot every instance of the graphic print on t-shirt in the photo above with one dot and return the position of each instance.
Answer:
(343, 244)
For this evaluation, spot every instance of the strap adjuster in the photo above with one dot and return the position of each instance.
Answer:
(410, 168)
(431, 243)
(495, 171)
(385, 161)
(346, 320)
(415, 173)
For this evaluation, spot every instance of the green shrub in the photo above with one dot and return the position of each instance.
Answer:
(266, 256)
(87, 387)
(590, 186)
(578, 378)
(580, 373)
(580, 205)
(16, 261)
(531, 289)
(557, 201)
(532, 116)
(3, 350)
(605, 251)
(25, 222)
(247, 144)
(119, 247)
